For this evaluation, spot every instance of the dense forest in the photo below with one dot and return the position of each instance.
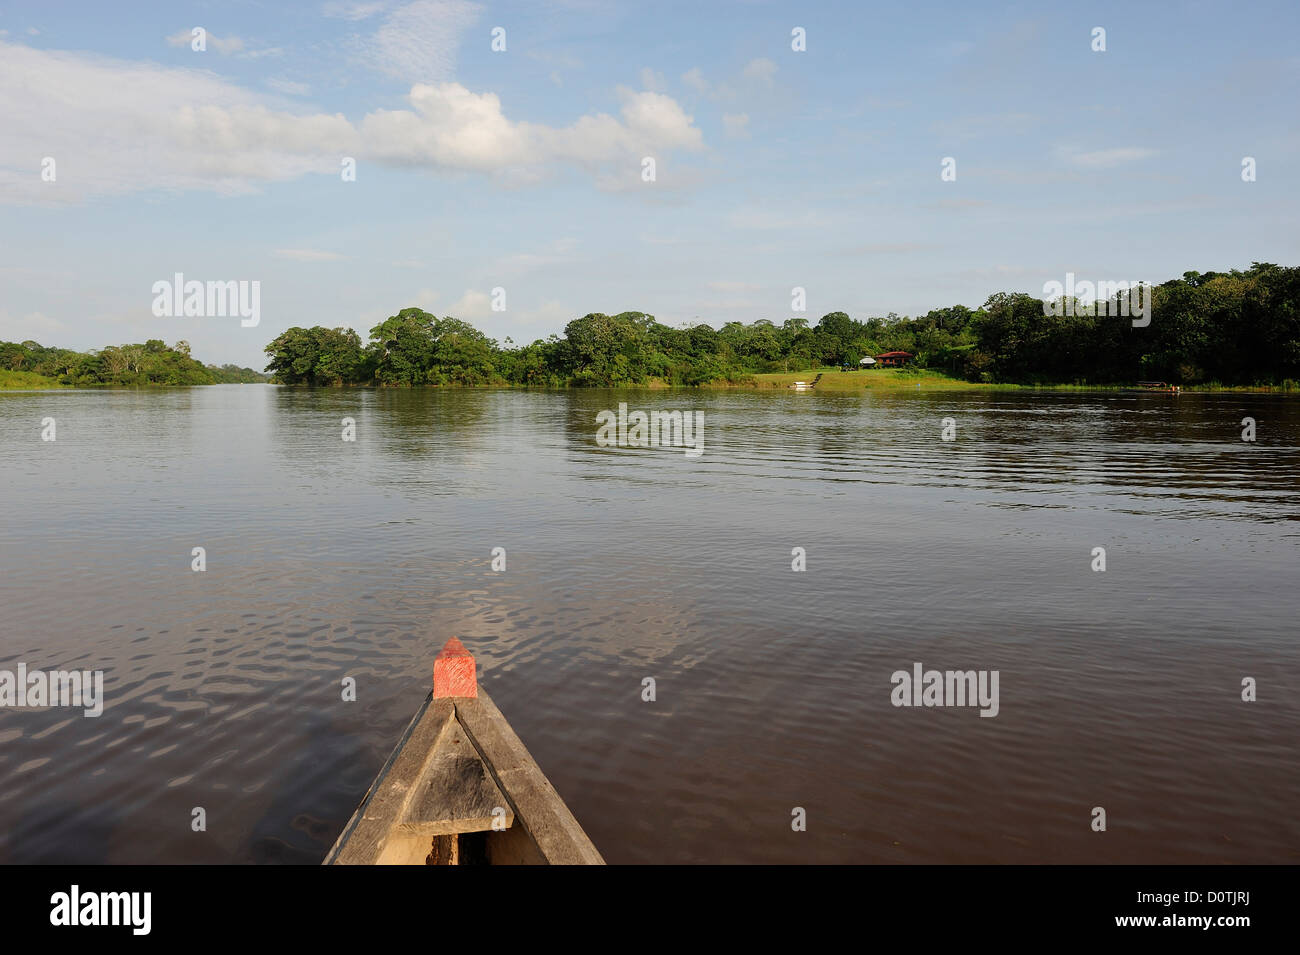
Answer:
(1226, 328)
(152, 363)
(1229, 328)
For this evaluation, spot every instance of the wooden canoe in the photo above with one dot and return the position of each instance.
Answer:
(460, 788)
(1153, 388)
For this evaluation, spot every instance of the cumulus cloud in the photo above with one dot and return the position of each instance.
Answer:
(450, 126)
(116, 127)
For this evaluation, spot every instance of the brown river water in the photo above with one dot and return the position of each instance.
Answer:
(329, 559)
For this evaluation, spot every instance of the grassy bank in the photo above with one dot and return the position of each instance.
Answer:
(26, 379)
(924, 379)
(878, 379)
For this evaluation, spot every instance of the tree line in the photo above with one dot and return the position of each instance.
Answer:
(1233, 328)
(150, 363)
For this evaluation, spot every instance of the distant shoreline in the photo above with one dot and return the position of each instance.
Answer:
(888, 379)
(833, 381)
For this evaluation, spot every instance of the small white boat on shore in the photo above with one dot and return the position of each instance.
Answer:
(807, 385)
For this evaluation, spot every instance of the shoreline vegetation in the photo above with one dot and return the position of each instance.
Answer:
(1213, 331)
(29, 364)
(836, 381)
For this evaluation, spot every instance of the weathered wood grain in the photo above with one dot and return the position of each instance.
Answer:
(459, 762)
(363, 840)
(455, 792)
(538, 808)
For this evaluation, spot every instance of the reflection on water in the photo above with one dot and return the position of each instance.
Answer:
(328, 559)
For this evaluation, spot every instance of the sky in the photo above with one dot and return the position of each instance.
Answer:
(523, 169)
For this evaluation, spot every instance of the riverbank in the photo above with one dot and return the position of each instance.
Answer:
(833, 380)
(29, 381)
(880, 379)
(925, 379)
(26, 379)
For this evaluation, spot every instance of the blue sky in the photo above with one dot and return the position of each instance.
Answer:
(521, 169)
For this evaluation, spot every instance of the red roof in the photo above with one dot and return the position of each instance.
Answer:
(895, 354)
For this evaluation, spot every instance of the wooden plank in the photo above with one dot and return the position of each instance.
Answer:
(445, 851)
(538, 808)
(363, 840)
(455, 793)
(457, 762)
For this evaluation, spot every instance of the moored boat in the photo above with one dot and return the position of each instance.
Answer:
(1152, 387)
(807, 385)
(460, 788)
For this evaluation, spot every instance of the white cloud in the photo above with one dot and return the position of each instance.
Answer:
(417, 42)
(352, 11)
(736, 125)
(548, 314)
(117, 127)
(450, 126)
(473, 306)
